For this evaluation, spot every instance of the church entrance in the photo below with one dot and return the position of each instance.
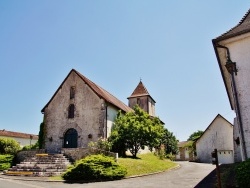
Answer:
(70, 138)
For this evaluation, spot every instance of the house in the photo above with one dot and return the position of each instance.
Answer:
(232, 52)
(218, 135)
(185, 152)
(80, 111)
(23, 139)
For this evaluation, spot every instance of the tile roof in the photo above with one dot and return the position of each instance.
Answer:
(241, 28)
(183, 144)
(102, 93)
(17, 134)
(139, 91)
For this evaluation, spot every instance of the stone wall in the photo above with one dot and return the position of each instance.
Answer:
(21, 155)
(78, 153)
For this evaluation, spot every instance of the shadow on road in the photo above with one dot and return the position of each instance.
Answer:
(209, 181)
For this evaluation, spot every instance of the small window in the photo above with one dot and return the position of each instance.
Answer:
(72, 92)
(71, 111)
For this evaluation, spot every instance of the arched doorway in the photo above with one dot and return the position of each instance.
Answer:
(70, 138)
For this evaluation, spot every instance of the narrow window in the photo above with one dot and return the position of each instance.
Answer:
(72, 92)
(138, 101)
(71, 111)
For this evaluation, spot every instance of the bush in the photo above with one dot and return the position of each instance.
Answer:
(9, 146)
(243, 174)
(5, 161)
(29, 147)
(95, 168)
(101, 144)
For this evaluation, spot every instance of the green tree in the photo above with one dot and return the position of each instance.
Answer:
(9, 146)
(170, 142)
(41, 136)
(135, 130)
(194, 136)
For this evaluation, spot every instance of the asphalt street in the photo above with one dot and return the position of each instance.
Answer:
(188, 175)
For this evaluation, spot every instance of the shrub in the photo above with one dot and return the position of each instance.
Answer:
(6, 161)
(29, 147)
(243, 174)
(101, 144)
(8, 146)
(95, 168)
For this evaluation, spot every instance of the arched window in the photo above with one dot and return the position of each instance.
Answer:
(71, 111)
(72, 92)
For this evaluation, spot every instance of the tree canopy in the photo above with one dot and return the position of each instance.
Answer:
(135, 130)
(195, 135)
(170, 142)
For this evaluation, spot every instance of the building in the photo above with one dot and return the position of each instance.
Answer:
(185, 152)
(23, 139)
(232, 52)
(218, 135)
(80, 111)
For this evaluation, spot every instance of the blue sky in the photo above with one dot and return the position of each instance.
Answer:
(115, 43)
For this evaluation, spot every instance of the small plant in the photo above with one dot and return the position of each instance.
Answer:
(95, 168)
(101, 144)
(6, 161)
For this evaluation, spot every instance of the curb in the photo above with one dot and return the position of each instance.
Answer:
(46, 179)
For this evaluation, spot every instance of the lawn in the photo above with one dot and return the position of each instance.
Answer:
(145, 164)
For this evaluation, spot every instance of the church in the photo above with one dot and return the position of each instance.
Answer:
(80, 111)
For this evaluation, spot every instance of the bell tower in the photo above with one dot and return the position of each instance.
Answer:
(142, 98)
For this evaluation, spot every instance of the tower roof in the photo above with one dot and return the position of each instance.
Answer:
(140, 91)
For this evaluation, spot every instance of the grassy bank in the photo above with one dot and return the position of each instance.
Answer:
(146, 163)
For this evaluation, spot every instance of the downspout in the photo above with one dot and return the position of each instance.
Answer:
(237, 103)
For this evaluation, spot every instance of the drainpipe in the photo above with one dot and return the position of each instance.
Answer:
(232, 65)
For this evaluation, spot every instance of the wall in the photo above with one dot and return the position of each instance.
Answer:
(239, 52)
(22, 141)
(111, 116)
(219, 135)
(78, 153)
(89, 115)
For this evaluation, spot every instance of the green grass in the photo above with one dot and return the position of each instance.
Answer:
(145, 164)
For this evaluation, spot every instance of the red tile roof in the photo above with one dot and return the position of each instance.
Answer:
(17, 134)
(241, 28)
(139, 91)
(102, 93)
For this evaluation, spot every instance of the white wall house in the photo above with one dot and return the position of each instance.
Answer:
(23, 139)
(233, 56)
(218, 135)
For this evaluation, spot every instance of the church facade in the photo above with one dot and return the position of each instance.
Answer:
(80, 111)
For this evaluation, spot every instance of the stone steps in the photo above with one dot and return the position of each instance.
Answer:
(40, 165)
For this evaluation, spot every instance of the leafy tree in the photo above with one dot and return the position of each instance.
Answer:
(9, 146)
(41, 136)
(170, 142)
(194, 136)
(135, 130)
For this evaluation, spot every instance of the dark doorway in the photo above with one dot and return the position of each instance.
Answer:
(70, 138)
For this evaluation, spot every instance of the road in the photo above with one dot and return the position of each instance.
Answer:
(188, 175)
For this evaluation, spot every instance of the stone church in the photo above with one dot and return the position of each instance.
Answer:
(80, 111)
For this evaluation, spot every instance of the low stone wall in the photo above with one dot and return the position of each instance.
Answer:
(78, 153)
(21, 155)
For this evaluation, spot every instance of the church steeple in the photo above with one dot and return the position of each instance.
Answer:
(142, 98)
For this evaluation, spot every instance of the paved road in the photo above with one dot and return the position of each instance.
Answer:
(188, 175)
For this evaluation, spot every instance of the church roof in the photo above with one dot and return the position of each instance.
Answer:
(241, 28)
(139, 91)
(102, 93)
